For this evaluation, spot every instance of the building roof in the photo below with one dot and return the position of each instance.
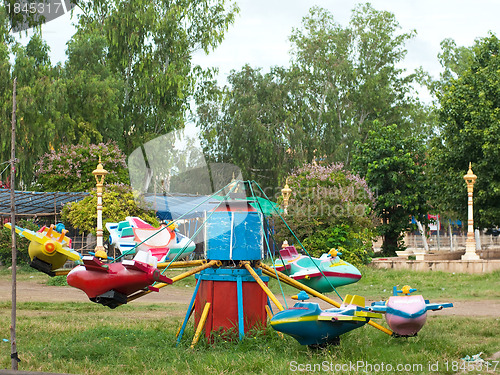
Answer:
(34, 203)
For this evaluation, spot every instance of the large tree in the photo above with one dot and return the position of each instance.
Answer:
(40, 98)
(341, 79)
(351, 76)
(147, 46)
(128, 76)
(252, 124)
(394, 168)
(470, 132)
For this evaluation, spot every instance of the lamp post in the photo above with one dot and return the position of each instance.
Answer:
(286, 192)
(470, 244)
(99, 174)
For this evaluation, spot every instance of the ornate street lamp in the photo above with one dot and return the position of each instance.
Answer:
(470, 244)
(286, 192)
(99, 174)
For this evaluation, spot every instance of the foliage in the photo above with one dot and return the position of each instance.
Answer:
(454, 60)
(341, 79)
(38, 99)
(356, 247)
(128, 77)
(351, 77)
(329, 207)
(70, 169)
(57, 281)
(147, 47)
(251, 124)
(118, 203)
(393, 166)
(470, 132)
(21, 244)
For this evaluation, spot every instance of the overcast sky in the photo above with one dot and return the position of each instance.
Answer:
(260, 34)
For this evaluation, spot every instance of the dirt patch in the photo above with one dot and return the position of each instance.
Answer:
(29, 291)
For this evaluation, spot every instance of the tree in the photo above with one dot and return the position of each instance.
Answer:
(470, 132)
(128, 77)
(330, 208)
(393, 166)
(39, 99)
(340, 81)
(350, 77)
(148, 46)
(70, 169)
(251, 124)
(118, 203)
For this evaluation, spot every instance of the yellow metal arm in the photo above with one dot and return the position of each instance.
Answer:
(181, 264)
(262, 285)
(176, 278)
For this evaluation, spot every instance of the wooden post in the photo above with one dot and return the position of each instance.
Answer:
(13, 352)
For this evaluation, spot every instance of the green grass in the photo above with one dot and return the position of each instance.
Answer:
(433, 285)
(84, 338)
(23, 273)
(376, 284)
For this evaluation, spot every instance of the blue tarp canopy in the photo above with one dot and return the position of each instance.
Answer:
(171, 207)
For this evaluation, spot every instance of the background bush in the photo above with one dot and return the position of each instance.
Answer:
(330, 208)
(21, 244)
(118, 203)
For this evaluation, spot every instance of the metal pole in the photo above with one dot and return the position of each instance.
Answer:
(13, 353)
(438, 228)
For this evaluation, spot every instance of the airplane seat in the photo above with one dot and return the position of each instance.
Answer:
(289, 252)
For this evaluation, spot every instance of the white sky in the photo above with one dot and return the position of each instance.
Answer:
(260, 34)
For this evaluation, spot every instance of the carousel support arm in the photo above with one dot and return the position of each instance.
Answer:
(264, 287)
(176, 278)
(181, 264)
(201, 324)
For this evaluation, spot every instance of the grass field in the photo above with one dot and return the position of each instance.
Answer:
(85, 338)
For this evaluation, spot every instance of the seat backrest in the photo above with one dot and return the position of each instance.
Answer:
(289, 252)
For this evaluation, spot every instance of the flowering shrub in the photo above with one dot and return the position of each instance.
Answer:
(330, 207)
(70, 168)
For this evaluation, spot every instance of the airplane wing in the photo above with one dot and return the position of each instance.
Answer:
(437, 306)
(70, 254)
(19, 230)
(379, 307)
(137, 222)
(94, 264)
(139, 266)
